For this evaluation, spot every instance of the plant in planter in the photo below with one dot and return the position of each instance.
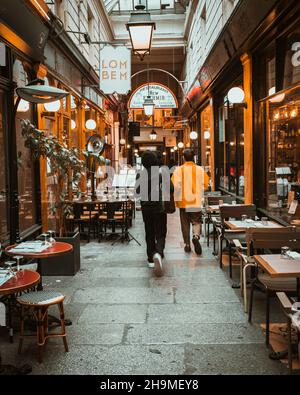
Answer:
(65, 164)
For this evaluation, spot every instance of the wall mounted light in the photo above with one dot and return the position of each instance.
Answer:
(193, 135)
(40, 93)
(122, 141)
(206, 135)
(53, 106)
(180, 145)
(91, 124)
(236, 95)
(175, 148)
(73, 124)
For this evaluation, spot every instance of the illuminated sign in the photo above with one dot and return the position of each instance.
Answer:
(162, 96)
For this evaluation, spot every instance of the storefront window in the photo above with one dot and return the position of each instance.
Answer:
(206, 139)
(292, 59)
(283, 149)
(3, 192)
(26, 174)
(230, 149)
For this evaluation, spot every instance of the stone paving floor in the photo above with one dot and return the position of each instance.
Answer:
(126, 321)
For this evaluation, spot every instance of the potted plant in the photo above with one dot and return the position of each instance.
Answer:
(67, 169)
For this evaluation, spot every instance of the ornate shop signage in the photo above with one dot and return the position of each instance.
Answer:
(115, 69)
(162, 96)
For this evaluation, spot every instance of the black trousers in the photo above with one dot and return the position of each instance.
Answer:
(156, 231)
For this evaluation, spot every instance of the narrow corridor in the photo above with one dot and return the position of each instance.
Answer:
(126, 321)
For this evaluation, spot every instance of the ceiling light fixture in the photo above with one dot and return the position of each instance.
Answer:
(140, 28)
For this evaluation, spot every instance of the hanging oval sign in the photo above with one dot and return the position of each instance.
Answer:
(162, 96)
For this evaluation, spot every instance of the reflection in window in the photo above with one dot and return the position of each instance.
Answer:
(3, 192)
(26, 176)
(231, 149)
(284, 149)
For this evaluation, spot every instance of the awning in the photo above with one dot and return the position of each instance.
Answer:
(22, 28)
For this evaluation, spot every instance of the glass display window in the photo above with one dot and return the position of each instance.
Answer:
(230, 148)
(283, 176)
(26, 171)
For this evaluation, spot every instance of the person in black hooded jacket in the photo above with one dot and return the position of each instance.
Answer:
(149, 188)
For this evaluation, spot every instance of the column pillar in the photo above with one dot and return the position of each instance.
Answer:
(41, 72)
(248, 128)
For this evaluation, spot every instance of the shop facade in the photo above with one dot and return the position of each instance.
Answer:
(255, 144)
(27, 189)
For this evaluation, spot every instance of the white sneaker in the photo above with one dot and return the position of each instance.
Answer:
(158, 269)
(151, 265)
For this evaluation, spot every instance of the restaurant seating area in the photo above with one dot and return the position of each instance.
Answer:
(244, 242)
(149, 191)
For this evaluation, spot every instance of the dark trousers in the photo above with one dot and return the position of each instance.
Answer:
(187, 218)
(156, 231)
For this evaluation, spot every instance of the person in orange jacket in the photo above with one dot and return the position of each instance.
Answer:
(190, 181)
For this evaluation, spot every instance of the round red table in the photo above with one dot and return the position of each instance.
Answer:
(56, 249)
(12, 286)
(20, 283)
(16, 284)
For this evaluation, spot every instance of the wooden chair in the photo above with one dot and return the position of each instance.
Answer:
(85, 216)
(208, 216)
(258, 240)
(286, 306)
(114, 215)
(39, 302)
(273, 240)
(233, 212)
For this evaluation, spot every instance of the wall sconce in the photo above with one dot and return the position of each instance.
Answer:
(53, 106)
(91, 124)
(193, 135)
(122, 141)
(180, 145)
(73, 124)
(236, 95)
(206, 135)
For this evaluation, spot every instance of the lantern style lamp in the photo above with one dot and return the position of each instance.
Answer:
(153, 135)
(148, 106)
(140, 28)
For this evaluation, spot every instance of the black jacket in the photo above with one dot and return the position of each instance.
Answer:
(154, 195)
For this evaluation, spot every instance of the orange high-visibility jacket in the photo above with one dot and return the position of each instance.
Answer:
(189, 181)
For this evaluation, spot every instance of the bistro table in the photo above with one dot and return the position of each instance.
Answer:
(276, 267)
(244, 225)
(57, 249)
(23, 280)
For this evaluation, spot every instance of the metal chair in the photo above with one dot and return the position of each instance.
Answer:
(273, 241)
(233, 212)
(258, 240)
